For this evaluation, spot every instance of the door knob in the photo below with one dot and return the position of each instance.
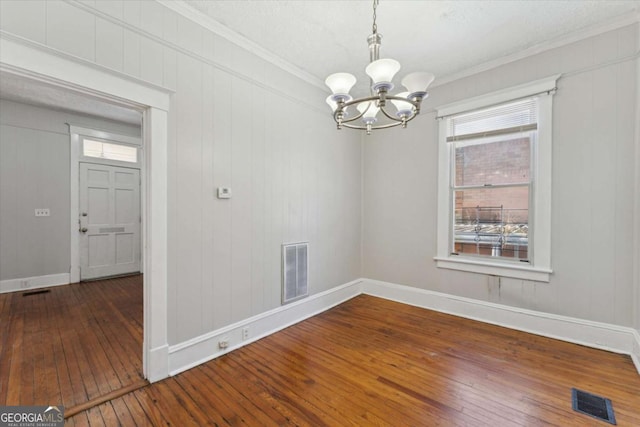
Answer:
(84, 229)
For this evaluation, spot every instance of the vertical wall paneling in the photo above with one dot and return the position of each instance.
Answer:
(207, 195)
(109, 44)
(241, 203)
(70, 29)
(188, 199)
(235, 121)
(222, 207)
(26, 19)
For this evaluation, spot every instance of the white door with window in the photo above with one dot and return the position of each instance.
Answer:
(109, 220)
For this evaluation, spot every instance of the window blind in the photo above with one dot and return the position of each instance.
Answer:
(517, 116)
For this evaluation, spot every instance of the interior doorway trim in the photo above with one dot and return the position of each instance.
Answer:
(35, 61)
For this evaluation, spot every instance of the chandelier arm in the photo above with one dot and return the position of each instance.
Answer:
(385, 126)
(361, 100)
(389, 116)
(335, 117)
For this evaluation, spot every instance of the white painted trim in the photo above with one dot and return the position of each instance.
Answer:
(221, 30)
(539, 267)
(35, 61)
(503, 269)
(43, 63)
(604, 336)
(76, 135)
(611, 25)
(504, 95)
(36, 282)
(201, 349)
(635, 353)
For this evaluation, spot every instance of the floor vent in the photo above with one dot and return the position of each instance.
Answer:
(592, 405)
(43, 291)
(294, 271)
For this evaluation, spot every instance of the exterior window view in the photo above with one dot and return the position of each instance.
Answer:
(491, 179)
(491, 195)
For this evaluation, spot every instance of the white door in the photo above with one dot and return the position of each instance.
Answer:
(109, 220)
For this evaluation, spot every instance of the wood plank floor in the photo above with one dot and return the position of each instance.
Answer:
(375, 362)
(72, 344)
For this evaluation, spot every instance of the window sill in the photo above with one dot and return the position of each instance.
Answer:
(502, 269)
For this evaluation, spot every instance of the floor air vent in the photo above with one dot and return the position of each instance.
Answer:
(294, 271)
(592, 405)
(27, 294)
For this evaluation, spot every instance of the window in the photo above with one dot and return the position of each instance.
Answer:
(108, 151)
(495, 183)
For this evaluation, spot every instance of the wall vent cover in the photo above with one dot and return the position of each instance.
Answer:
(294, 271)
(592, 405)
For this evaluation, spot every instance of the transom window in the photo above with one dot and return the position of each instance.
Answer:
(109, 151)
(494, 183)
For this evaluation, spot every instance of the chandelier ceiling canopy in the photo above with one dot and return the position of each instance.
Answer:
(363, 113)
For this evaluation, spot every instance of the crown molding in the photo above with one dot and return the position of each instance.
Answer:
(221, 30)
(594, 30)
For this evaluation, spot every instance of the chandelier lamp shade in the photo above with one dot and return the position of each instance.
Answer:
(367, 109)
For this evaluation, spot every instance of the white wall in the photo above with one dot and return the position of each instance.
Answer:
(234, 121)
(34, 173)
(593, 187)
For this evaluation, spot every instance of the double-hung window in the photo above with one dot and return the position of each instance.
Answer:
(495, 183)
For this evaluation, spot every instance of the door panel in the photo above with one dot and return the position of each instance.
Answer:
(109, 220)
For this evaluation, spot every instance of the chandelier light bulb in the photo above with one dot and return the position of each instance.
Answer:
(417, 83)
(382, 71)
(370, 111)
(404, 108)
(340, 85)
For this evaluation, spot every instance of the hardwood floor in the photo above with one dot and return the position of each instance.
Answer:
(72, 344)
(375, 362)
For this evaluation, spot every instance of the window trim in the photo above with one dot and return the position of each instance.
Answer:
(539, 268)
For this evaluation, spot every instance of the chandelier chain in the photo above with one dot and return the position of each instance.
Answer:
(375, 26)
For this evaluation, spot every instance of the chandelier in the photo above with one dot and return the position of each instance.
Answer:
(381, 72)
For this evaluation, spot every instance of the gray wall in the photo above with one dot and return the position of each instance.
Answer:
(34, 173)
(234, 121)
(593, 200)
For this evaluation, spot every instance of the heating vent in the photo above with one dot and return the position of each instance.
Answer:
(43, 291)
(294, 271)
(592, 405)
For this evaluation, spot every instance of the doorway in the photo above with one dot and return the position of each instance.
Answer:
(20, 58)
(109, 222)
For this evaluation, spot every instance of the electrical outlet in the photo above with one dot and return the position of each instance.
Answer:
(223, 343)
(245, 333)
(43, 212)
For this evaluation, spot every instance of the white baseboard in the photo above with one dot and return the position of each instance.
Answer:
(618, 339)
(635, 353)
(28, 283)
(201, 349)
(599, 335)
(157, 364)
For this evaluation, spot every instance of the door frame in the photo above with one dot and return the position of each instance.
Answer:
(76, 135)
(35, 61)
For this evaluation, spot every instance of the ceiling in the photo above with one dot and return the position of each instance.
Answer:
(322, 37)
(443, 37)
